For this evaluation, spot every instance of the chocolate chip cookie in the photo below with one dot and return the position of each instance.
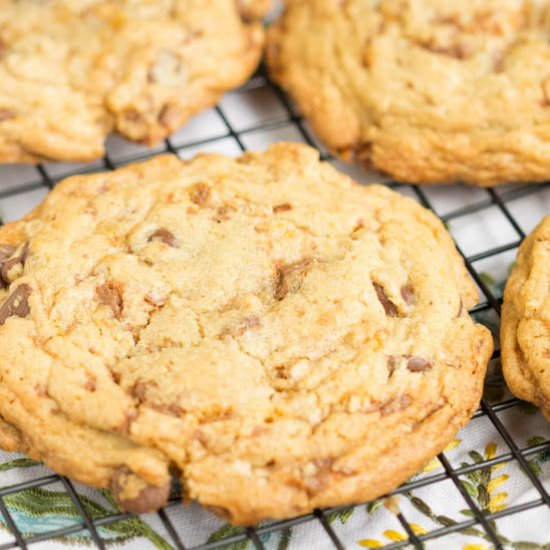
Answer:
(429, 91)
(525, 336)
(72, 72)
(276, 334)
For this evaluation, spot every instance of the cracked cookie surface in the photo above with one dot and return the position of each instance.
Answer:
(429, 91)
(525, 333)
(282, 337)
(74, 70)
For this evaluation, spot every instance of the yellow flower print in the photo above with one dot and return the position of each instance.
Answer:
(434, 464)
(370, 543)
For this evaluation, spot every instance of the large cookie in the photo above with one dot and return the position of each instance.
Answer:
(279, 335)
(428, 91)
(525, 332)
(73, 70)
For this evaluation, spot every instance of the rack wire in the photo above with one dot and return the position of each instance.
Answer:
(269, 117)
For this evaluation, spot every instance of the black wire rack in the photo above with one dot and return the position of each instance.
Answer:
(268, 115)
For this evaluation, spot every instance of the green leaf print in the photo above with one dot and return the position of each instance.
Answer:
(341, 515)
(58, 508)
(487, 279)
(475, 456)
(284, 541)
(470, 489)
(228, 531)
(536, 440)
(373, 506)
(18, 463)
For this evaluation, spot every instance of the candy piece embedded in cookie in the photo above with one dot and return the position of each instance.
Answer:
(429, 91)
(71, 72)
(281, 336)
(525, 336)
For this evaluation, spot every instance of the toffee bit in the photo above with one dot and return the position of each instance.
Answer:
(418, 364)
(407, 293)
(109, 295)
(164, 236)
(199, 194)
(281, 278)
(284, 207)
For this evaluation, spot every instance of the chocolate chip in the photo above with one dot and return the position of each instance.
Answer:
(284, 207)
(109, 295)
(407, 293)
(148, 499)
(394, 405)
(199, 194)
(392, 364)
(16, 304)
(164, 236)
(460, 308)
(283, 273)
(10, 263)
(418, 364)
(389, 307)
(6, 114)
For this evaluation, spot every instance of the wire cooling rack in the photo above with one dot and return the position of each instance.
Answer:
(498, 219)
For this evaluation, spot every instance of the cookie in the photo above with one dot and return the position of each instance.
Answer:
(276, 334)
(524, 335)
(72, 72)
(428, 91)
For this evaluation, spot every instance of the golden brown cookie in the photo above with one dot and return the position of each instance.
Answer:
(525, 332)
(429, 91)
(282, 337)
(74, 70)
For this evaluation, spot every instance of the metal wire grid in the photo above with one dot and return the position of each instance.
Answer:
(490, 198)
